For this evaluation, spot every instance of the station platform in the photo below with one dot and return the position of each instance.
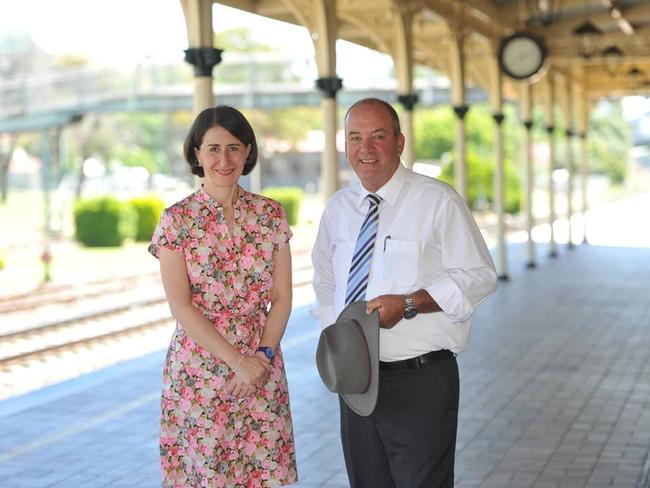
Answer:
(555, 392)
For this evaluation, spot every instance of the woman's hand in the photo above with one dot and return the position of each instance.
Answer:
(250, 374)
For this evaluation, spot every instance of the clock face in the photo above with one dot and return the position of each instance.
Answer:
(521, 56)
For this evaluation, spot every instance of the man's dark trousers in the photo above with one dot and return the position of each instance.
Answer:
(409, 440)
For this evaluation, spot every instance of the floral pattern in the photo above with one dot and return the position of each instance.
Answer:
(207, 438)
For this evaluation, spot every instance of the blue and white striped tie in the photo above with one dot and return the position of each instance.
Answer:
(360, 267)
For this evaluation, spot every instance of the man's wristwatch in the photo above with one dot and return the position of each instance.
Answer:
(268, 352)
(409, 307)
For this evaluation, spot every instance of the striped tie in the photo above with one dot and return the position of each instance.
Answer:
(360, 267)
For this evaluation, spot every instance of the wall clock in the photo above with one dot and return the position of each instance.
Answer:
(522, 55)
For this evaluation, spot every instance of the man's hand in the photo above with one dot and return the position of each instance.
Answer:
(390, 308)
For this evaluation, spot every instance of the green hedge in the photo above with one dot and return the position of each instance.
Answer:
(2, 262)
(147, 210)
(103, 221)
(289, 197)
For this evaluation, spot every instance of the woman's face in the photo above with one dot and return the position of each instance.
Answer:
(222, 157)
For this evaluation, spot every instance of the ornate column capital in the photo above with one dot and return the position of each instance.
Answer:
(203, 59)
(460, 111)
(528, 124)
(408, 101)
(550, 129)
(329, 85)
(498, 118)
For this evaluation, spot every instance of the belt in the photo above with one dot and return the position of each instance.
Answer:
(419, 361)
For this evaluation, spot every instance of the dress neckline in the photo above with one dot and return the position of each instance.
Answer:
(211, 202)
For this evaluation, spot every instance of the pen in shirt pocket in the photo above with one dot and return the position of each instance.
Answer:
(386, 239)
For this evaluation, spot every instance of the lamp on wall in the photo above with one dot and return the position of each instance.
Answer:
(588, 33)
(634, 73)
(612, 55)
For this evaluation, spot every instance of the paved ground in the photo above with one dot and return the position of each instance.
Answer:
(555, 393)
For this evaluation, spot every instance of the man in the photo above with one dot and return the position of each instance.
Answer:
(414, 252)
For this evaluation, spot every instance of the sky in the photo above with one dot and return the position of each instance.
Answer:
(124, 33)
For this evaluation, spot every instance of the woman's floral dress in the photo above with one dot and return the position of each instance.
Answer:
(208, 438)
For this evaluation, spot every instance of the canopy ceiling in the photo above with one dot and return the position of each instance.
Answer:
(625, 24)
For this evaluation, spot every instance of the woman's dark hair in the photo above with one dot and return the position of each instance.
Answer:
(230, 119)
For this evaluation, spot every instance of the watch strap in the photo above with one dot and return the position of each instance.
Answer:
(268, 352)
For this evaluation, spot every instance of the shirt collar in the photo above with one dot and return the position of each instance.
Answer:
(389, 191)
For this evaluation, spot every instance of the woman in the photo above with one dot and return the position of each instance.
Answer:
(226, 269)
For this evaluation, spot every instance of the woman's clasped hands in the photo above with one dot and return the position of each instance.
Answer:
(250, 373)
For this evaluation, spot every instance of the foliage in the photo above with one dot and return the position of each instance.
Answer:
(287, 124)
(435, 131)
(242, 40)
(609, 142)
(290, 198)
(435, 138)
(239, 39)
(2, 262)
(147, 210)
(71, 61)
(103, 221)
(480, 182)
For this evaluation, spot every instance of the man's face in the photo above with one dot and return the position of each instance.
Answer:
(371, 145)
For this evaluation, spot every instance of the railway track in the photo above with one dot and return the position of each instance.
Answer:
(69, 294)
(37, 355)
(48, 338)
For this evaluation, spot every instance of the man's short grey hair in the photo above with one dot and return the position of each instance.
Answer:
(376, 101)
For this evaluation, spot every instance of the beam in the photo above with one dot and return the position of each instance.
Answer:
(562, 28)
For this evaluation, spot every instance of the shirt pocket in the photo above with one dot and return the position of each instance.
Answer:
(402, 263)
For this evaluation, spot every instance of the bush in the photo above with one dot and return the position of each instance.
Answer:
(2, 262)
(147, 211)
(480, 183)
(289, 197)
(103, 221)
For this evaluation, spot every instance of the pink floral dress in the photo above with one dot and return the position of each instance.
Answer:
(207, 438)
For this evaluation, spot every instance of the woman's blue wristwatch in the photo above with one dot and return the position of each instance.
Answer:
(268, 352)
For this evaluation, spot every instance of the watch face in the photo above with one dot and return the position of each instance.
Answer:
(521, 56)
(409, 313)
(268, 351)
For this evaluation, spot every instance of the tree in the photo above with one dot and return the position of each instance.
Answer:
(7, 147)
(609, 142)
(480, 182)
(256, 68)
(435, 136)
(434, 132)
(91, 137)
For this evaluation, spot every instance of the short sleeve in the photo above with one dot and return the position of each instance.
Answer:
(282, 230)
(167, 235)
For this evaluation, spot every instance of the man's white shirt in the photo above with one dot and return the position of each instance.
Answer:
(426, 239)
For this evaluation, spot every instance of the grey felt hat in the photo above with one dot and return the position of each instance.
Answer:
(347, 357)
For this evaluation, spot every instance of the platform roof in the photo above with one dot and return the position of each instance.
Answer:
(624, 24)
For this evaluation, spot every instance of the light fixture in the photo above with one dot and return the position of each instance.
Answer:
(612, 55)
(544, 12)
(588, 32)
(634, 73)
